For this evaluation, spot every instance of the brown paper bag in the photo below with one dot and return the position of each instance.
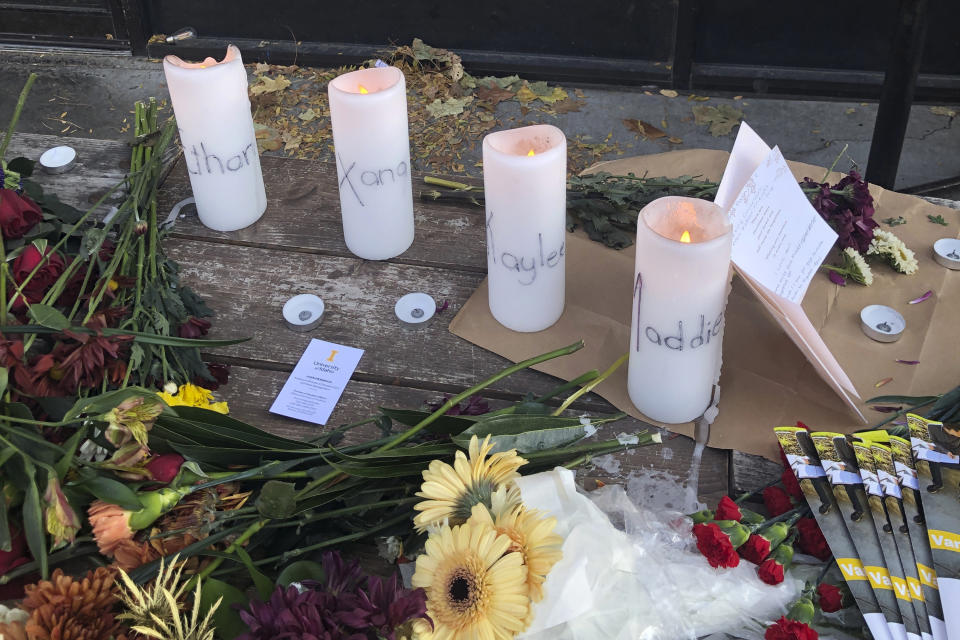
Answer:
(766, 381)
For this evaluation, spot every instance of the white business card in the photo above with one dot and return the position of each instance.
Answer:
(317, 382)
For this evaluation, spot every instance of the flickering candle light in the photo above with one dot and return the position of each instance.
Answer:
(219, 144)
(525, 188)
(680, 292)
(368, 115)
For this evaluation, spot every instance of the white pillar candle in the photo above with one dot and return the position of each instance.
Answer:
(219, 144)
(368, 115)
(525, 188)
(679, 294)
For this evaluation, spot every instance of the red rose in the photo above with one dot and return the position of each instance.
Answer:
(770, 571)
(755, 549)
(810, 539)
(164, 468)
(51, 268)
(18, 214)
(830, 597)
(194, 328)
(727, 509)
(715, 545)
(777, 501)
(786, 629)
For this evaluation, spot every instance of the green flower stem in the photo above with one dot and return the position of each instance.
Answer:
(450, 184)
(593, 383)
(644, 438)
(21, 101)
(326, 515)
(236, 544)
(563, 388)
(78, 549)
(750, 494)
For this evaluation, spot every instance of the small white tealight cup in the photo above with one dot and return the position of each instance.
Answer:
(882, 323)
(415, 308)
(58, 159)
(946, 251)
(303, 312)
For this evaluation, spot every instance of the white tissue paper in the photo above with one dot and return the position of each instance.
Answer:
(629, 573)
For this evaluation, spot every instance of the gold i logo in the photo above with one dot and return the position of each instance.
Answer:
(333, 352)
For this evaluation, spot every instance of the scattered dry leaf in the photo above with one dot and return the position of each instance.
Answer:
(266, 84)
(442, 108)
(880, 383)
(493, 94)
(567, 106)
(943, 111)
(644, 129)
(578, 93)
(268, 138)
(291, 141)
(695, 98)
(721, 120)
(670, 93)
(850, 110)
(308, 115)
(675, 140)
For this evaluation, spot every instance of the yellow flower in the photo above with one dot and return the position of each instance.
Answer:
(449, 493)
(476, 589)
(531, 535)
(191, 395)
(130, 421)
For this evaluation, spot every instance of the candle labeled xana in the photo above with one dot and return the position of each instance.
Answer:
(219, 144)
(525, 189)
(680, 291)
(368, 116)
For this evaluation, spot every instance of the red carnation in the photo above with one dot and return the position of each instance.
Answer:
(715, 545)
(755, 549)
(777, 501)
(770, 571)
(792, 485)
(194, 327)
(164, 468)
(727, 509)
(51, 266)
(830, 597)
(810, 539)
(18, 214)
(786, 629)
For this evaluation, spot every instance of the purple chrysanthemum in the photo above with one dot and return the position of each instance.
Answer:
(847, 207)
(384, 606)
(290, 615)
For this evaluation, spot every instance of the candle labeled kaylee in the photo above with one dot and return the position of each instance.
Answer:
(525, 188)
(679, 294)
(219, 145)
(368, 115)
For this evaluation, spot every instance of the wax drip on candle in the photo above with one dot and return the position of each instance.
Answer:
(685, 237)
(531, 153)
(362, 88)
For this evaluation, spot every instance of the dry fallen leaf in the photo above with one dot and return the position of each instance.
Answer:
(578, 93)
(493, 94)
(675, 140)
(670, 93)
(307, 115)
(738, 97)
(291, 140)
(644, 129)
(943, 111)
(694, 97)
(261, 68)
(567, 106)
(850, 110)
(721, 120)
(268, 138)
(451, 107)
(265, 84)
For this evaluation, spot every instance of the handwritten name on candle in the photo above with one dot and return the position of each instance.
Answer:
(525, 265)
(354, 177)
(205, 162)
(674, 341)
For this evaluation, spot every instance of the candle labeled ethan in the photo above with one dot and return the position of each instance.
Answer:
(525, 189)
(680, 291)
(368, 115)
(219, 144)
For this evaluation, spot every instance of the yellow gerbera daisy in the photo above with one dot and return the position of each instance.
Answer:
(532, 535)
(449, 493)
(476, 589)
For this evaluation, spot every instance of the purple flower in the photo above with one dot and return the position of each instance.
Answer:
(847, 207)
(290, 615)
(836, 278)
(340, 576)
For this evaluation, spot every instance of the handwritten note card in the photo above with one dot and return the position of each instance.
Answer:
(778, 237)
(317, 382)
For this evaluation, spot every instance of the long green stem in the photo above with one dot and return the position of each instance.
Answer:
(587, 388)
(21, 101)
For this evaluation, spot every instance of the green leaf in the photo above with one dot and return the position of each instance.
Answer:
(111, 491)
(4, 378)
(263, 584)
(226, 619)
(47, 316)
(101, 404)
(377, 471)
(445, 425)
(33, 527)
(525, 432)
(138, 336)
(70, 447)
(299, 571)
(907, 400)
(6, 543)
(206, 416)
(277, 500)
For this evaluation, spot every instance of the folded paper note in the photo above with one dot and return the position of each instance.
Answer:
(773, 363)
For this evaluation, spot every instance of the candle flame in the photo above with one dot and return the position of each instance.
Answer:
(363, 89)
(685, 237)
(531, 153)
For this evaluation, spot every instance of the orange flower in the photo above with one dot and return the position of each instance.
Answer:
(111, 526)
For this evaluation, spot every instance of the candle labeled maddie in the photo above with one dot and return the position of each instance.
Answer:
(368, 115)
(525, 188)
(679, 295)
(219, 144)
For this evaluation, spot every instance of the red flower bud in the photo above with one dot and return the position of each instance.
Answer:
(164, 468)
(727, 509)
(777, 501)
(715, 545)
(756, 549)
(770, 571)
(18, 214)
(830, 597)
(787, 629)
(810, 539)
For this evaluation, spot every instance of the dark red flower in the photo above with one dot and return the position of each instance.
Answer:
(727, 509)
(777, 501)
(194, 327)
(18, 554)
(18, 214)
(220, 374)
(847, 207)
(164, 468)
(755, 549)
(715, 545)
(810, 539)
(830, 597)
(791, 484)
(51, 266)
(802, 426)
(770, 571)
(787, 629)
